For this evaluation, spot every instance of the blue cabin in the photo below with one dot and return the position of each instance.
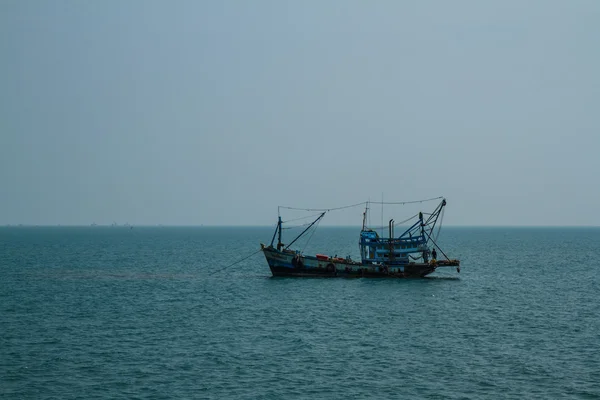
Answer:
(393, 250)
(376, 250)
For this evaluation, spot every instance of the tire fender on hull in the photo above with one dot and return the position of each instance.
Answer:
(331, 269)
(297, 261)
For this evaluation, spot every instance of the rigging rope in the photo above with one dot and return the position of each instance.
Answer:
(407, 202)
(440, 226)
(298, 219)
(311, 235)
(323, 209)
(237, 262)
(296, 226)
(360, 204)
(396, 223)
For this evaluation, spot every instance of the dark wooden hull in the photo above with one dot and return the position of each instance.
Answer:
(358, 273)
(288, 263)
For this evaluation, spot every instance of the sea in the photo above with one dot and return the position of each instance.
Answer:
(194, 313)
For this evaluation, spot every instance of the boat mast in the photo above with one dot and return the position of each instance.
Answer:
(279, 244)
(391, 241)
(381, 214)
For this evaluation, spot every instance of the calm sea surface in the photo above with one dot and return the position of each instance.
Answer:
(151, 313)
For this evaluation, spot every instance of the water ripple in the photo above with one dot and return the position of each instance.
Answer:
(104, 314)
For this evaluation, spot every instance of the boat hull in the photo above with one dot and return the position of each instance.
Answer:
(289, 263)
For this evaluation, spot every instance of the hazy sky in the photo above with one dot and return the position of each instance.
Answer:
(215, 112)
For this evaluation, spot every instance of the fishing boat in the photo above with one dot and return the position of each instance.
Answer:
(409, 255)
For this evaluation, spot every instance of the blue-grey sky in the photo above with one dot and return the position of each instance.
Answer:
(215, 112)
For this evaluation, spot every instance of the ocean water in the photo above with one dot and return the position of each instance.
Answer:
(161, 313)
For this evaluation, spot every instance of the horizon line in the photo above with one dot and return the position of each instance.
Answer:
(264, 226)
